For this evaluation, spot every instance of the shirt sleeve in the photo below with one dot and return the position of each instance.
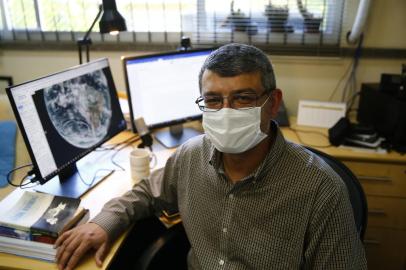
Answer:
(332, 241)
(150, 196)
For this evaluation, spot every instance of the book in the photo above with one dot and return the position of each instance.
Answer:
(38, 216)
(25, 248)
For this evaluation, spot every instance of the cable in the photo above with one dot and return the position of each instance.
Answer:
(115, 154)
(350, 83)
(29, 173)
(25, 186)
(296, 131)
(351, 101)
(341, 79)
(115, 145)
(126, 142)
(95, 176)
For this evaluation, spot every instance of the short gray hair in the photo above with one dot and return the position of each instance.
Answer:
(235, 59)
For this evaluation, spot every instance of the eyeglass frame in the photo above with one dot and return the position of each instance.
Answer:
(257, 97)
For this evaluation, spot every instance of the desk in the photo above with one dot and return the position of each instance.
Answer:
(382, 176)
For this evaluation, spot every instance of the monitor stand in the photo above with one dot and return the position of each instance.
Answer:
(73, 183)
(175, 136)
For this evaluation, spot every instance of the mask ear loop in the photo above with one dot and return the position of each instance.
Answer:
(268, 98)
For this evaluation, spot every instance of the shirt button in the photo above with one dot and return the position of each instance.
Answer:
(221, 262)
(231, 196)
(224, 230)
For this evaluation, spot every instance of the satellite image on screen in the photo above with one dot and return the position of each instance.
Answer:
(80, 108)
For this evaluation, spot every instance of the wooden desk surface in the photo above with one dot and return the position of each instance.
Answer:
(315, 138)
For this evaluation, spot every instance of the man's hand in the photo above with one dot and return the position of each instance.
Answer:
(73, 244)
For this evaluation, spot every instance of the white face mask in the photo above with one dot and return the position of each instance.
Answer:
(234, 131)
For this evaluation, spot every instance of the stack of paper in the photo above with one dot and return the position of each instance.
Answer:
(31, 249)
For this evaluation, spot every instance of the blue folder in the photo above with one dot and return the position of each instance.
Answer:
(8, 131)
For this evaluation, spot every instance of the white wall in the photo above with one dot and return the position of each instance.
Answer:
(299, 77)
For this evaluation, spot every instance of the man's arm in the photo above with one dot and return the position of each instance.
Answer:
(147, 197)
(332, 241)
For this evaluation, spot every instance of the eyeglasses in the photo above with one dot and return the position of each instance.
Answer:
(239, 101)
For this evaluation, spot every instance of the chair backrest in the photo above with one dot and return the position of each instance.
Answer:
(356, 193)
(169, 251)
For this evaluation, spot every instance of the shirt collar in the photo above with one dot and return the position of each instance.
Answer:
(215, 156)
(275, 152)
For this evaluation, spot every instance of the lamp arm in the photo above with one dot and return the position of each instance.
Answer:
(94, 22)
(85, 41)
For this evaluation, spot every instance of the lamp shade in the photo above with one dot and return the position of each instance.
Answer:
(111, 19)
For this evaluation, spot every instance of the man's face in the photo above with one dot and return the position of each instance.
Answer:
(213, 84)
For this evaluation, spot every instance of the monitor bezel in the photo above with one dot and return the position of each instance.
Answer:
(35, 168)
(163, 124)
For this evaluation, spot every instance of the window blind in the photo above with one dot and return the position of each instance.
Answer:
(292, 23)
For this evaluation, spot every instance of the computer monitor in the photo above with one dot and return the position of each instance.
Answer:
(63, 117)
(162, 88)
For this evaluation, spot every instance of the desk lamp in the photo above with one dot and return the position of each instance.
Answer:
(111, 22)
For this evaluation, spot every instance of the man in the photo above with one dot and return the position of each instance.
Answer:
(248, 199)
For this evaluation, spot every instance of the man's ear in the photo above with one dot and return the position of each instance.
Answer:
(276, 99)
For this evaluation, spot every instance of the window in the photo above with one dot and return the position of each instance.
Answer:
(276, 21)
(21, 15)
(207, 22)
(66, 15)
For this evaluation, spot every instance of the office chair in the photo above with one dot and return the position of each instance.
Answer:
(169, 251)
(355, 191)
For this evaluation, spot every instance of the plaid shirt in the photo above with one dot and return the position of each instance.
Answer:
(293, 212)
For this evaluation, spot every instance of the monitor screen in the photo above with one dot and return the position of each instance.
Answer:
(162, 88)
(66, 115)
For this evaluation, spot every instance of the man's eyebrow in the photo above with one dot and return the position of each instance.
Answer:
(237, 91)
(244, 90)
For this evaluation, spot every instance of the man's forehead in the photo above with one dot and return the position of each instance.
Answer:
(210, 77)
(212, 80)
